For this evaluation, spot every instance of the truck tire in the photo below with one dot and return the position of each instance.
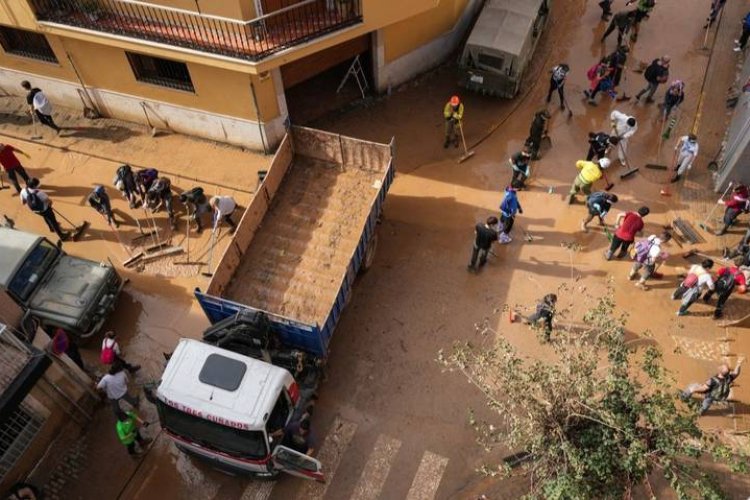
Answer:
(372, 247)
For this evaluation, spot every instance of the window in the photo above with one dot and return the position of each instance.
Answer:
(280, 414)
(163, 72)
(33, 269)
(16, 435)
(214, 436)
(491, 62)
(26, 44)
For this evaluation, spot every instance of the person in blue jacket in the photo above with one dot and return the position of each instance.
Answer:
(509, 207)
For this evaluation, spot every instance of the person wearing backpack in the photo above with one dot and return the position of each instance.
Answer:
(124, 181)
(598, 204)
(739, 44)
(160, 194)
(647, 255)
(600, 80)
(656, 74)
(627, 226)
(39, 203)
(727, 279)
(698, 277)
(599, 144)
(196, 205)
(111, 353)
(717, 388)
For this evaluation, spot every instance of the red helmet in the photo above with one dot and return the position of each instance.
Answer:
(455, 101)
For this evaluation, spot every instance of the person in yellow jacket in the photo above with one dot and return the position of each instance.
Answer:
(590, 172)
(453, 112)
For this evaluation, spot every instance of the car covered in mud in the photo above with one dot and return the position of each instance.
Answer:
(501, 45)
(55, 289)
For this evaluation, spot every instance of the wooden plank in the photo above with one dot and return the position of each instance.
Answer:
(164, 253)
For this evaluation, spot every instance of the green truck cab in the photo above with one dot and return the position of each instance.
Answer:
(56, 289)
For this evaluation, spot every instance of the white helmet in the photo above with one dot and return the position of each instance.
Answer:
(604, 163)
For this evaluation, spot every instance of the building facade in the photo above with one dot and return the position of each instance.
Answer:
(235, 71)
(46, 401)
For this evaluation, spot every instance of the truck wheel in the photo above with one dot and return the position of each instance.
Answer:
(372, 247)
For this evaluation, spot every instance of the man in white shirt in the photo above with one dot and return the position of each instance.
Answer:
(39, 105)
(686, 151)
(115, 386)
(39, 203)
(623, 127)
(223, 207)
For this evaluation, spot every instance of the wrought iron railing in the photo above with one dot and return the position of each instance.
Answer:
(250, 40)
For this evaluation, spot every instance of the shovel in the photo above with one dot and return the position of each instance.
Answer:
(467, 154)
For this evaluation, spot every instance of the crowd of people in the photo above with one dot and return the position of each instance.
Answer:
(626, 238)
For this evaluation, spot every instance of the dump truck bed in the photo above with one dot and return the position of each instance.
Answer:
(304, 236)
(295, 263)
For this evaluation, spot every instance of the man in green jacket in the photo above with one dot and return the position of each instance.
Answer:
(128, 431)
(453, 112)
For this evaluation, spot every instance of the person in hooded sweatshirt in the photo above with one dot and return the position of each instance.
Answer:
(509, 207)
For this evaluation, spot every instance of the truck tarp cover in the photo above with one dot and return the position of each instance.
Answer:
(503, 28)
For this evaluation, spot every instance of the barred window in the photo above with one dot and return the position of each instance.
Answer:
(26, 44)
(163, 72)
(16, 435)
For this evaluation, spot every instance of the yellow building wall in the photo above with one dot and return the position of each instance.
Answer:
(233, 9)
(17, 13)
(217, 90)
(405, 36)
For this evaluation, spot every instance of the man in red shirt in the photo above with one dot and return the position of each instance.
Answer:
(628, 224)
(737, 204)
(726, 280)
(12, 165)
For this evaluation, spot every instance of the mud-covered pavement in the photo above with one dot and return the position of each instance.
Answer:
(390, 422)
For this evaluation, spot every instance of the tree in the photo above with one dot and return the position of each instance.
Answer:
(596, 423)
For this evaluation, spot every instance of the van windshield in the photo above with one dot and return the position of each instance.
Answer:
(237, 442)
(32, 270)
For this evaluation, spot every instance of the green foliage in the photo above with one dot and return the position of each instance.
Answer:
(598, 421)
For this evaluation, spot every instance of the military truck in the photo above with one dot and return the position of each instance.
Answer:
(54, 289)
(501, 45)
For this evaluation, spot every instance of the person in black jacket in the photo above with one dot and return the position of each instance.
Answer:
(599, 144)
(545, 310)
(484, 235)
(617, 60)
(656, 74)
(537, 131)
(622, 21)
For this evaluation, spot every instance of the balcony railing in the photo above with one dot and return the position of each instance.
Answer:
(250, 40)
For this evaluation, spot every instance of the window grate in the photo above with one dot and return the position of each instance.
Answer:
(26, 44)
(16, 435)
(162, 72)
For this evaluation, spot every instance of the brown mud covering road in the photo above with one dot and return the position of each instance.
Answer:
(390, 422)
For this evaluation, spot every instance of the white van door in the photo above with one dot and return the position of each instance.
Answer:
(297, 464)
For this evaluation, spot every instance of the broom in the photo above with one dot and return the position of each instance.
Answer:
(467, 154)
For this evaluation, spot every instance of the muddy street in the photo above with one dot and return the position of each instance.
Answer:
(390, 422)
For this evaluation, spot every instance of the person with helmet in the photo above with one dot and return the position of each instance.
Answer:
(623, 127)
(590, 172)
(124, 181)
(160, 193)
(196, 205)
(99, 201)
(537, 132)
(453, 112)
(673, 98)
(557, 82)
(686, 151)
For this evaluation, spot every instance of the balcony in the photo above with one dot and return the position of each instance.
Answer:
(248, 40)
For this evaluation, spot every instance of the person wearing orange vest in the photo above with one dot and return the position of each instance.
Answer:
(453, 112)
